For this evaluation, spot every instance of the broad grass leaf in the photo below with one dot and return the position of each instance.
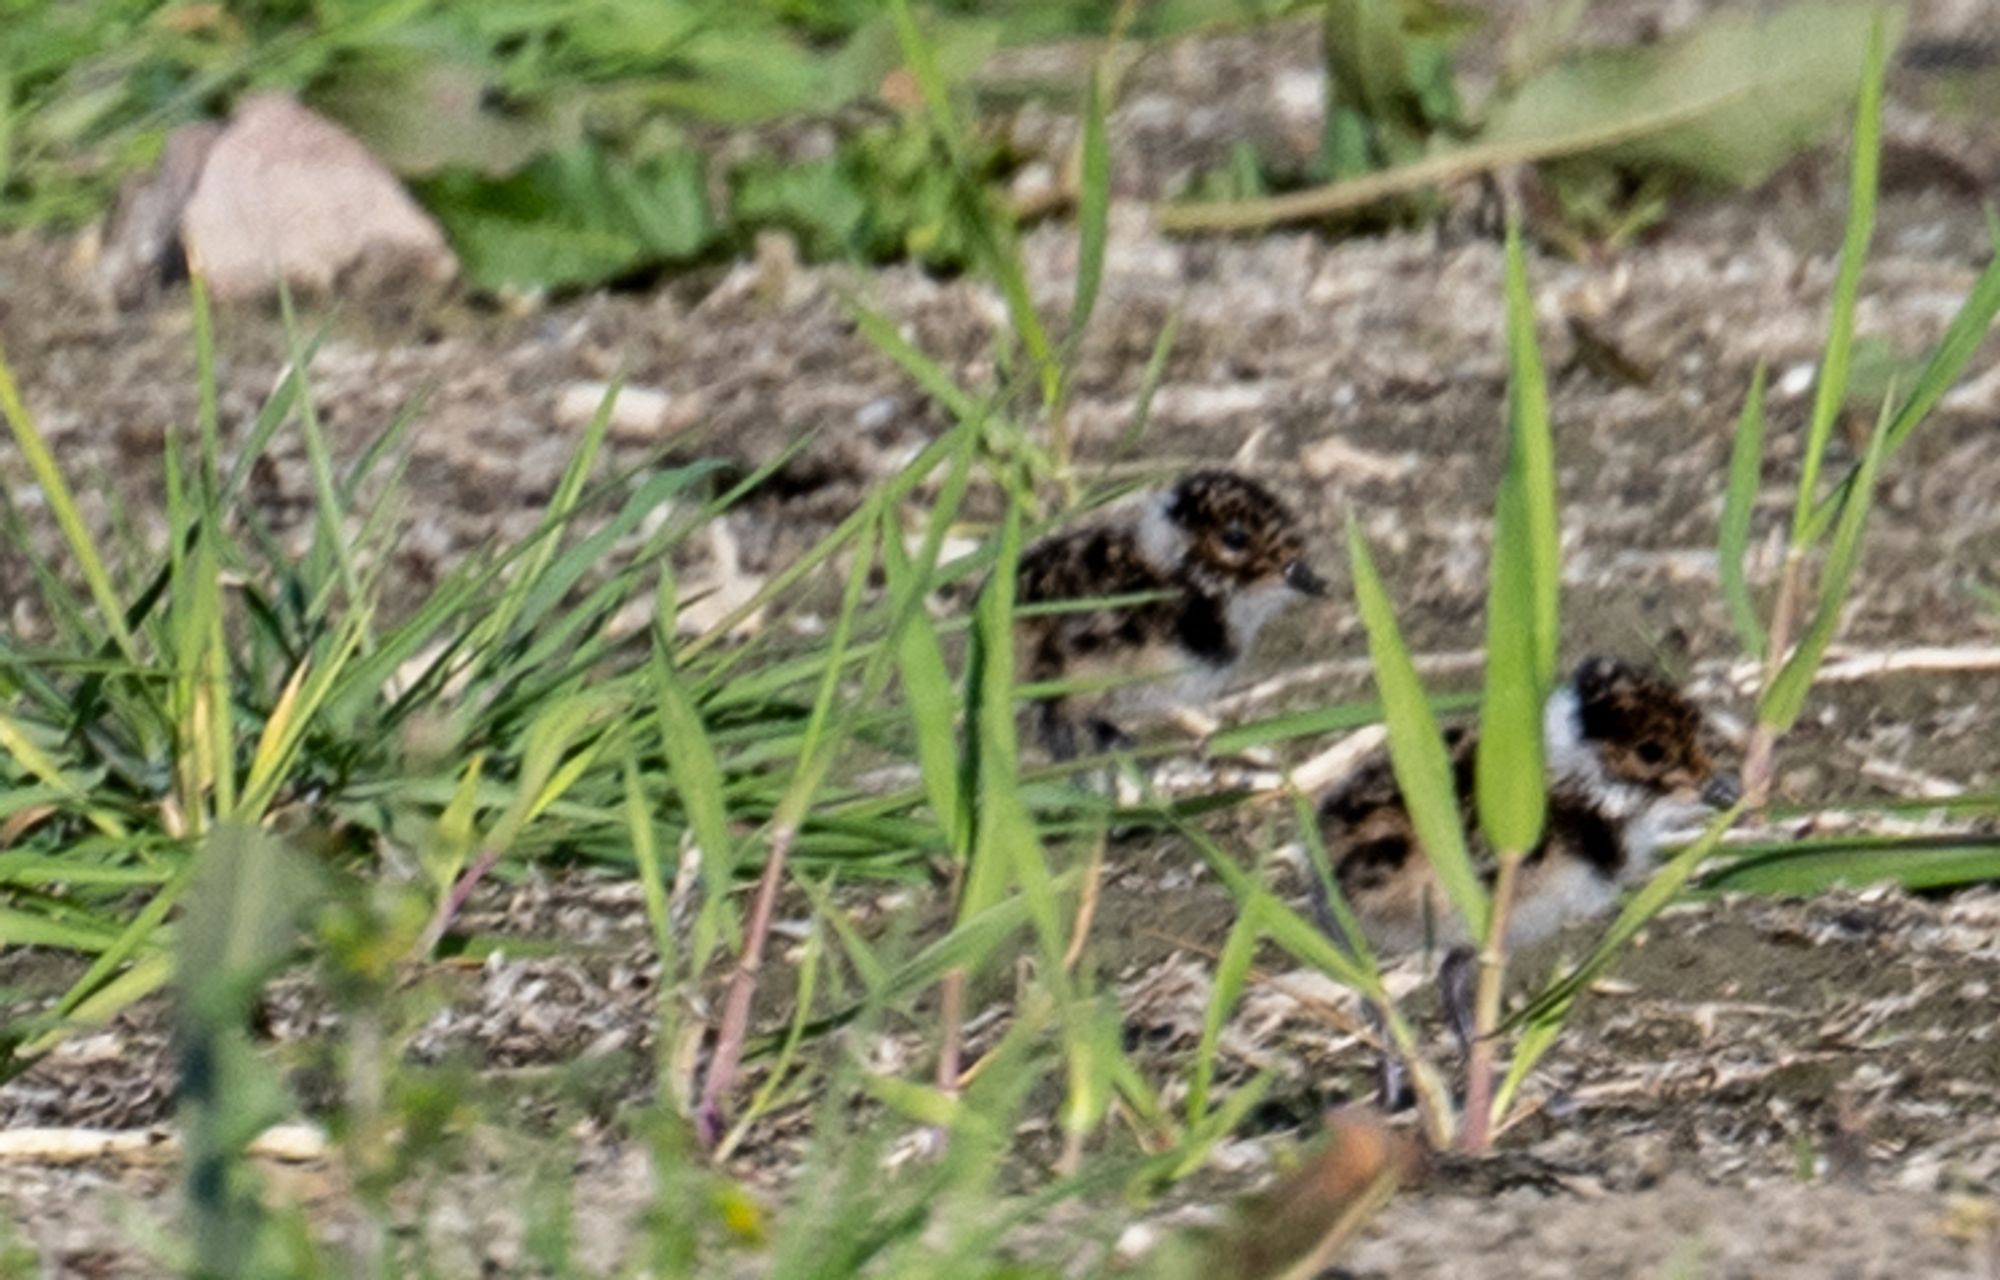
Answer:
(1508, 769)
(1728, 100)
(1531, 461)
(1522, 600)
(1918, 864)
(1416, 751)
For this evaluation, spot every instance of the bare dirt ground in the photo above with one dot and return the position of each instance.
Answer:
(1767, 1088)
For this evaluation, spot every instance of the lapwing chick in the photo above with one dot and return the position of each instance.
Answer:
(1211, 560)
(1626, 767)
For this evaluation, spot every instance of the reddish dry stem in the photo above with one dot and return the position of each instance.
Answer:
(721, 1078)
(1762, 747)
(454, 902)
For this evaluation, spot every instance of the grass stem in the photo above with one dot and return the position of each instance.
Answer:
(1476, 1126)
(951, 1024)
(452, 903)
(709, 1115)
(1759, 752)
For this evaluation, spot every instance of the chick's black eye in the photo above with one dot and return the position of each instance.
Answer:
(1651, 752)
(1236, 538)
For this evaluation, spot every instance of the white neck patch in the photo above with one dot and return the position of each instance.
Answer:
(1574, 765)
(1249, 609)
(1161, 541)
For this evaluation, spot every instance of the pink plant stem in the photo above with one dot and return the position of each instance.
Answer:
(709, 1118)
(1761, 750)
(454, 902)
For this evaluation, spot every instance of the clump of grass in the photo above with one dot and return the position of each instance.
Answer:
(232, 688)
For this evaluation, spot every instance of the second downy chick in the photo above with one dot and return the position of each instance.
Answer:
(1626, 766)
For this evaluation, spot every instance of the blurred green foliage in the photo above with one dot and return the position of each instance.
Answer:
(561, 144)
(1612, 131)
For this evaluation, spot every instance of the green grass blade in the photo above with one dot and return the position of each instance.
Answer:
(19, 743)
(1093, 209)
(1746, 463)
(1786, 697)
(1554, 1001)
(1149, 385)
(1508, 773)
(930, 376)
(971, 942)
(1321, 865)
(1863, 181)
(895, 490)
(933, 706)
(273, 415)
(279, 744)
(62, 505)
(1530, 1047)
(1232, 975)
(821, 738)
(1285, 927)
(990, 221)
(922, 61)
(207, 417)
(137, 935)
(1962, 340)
(1416, 751)
(990, 724)
(696, 774)
(562, 504)
(1931, 863)
(1531, 456)
(35, 929)
(329, 516)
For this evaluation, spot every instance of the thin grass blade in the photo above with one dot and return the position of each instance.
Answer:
(1863, 182)
(1746, 462)
(1786, 696)
(1531, 461)
(1093, 209)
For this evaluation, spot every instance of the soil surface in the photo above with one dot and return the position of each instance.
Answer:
(1762, 1088)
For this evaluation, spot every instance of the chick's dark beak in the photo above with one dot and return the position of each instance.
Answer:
(1300, 577)
(1722, 790)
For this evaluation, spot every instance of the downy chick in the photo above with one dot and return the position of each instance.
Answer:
(1221, 555)
(1626, 766)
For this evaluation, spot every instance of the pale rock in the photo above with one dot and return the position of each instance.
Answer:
(288, 196)
(638, 413)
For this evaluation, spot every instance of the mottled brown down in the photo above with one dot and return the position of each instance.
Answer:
(1645, 737)
(1227, 535)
